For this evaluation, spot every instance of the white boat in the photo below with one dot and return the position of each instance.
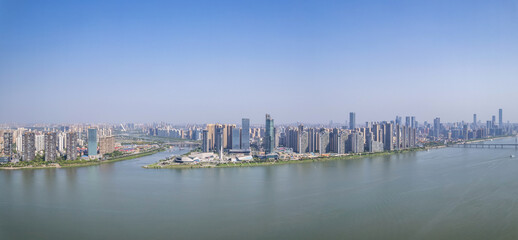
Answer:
(512, 156)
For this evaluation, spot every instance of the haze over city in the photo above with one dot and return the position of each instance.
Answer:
(219, 61)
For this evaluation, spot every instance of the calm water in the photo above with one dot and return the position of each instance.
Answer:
(441, 194)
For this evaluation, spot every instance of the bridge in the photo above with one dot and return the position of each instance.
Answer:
(485, 145)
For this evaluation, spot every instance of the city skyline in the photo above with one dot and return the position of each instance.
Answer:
(288, 119)
(180, 62)
(499, 118)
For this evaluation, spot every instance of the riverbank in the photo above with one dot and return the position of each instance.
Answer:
(76, 163)
(278, 162)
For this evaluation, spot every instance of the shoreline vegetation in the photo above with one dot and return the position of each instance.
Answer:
(306, 160)
(75, 163)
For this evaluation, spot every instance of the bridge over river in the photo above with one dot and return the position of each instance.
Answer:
(486, 145)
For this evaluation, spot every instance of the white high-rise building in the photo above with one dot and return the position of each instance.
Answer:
(40, 142)
(61, 142)
(19, 143)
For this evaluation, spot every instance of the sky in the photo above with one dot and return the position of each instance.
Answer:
(219, 61)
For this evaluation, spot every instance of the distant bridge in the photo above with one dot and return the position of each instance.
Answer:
(484, 145)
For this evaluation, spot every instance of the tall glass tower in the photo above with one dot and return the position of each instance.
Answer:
(269, 139)
(352, 120)
(245, 134)
(500, 120)
(92, 141)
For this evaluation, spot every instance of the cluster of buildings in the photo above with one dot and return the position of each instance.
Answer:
(373, 137)
(467, 131)
(265, 140)
(54, 144)
(220, 137)
(398, 134)
(191, 133)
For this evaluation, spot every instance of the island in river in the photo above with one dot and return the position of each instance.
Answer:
(170, 163)
(213, 161)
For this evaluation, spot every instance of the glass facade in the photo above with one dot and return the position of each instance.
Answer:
(236, 143)
(92, 141)
(245, 134)
(269, 135)
(352, 120)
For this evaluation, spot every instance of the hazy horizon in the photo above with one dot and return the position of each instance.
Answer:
(208, 61)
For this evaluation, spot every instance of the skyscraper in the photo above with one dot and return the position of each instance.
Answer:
(28, 146)
(211, 134)
(312, 140)
(407, 122)
(71, 146)
(398, 120)
(356, 142)
(8, 145)
(205, 141)
(323, 142)
(352, 120)
(245, 134)
(269, 138)
(474, 119)
(50, 146)
(218, 139)
(39, 142)
(235, 138)
(227, 135)
(387, 134)
(500, 120)
(436, 127)
(92, 141)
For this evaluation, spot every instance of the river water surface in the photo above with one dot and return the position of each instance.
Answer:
(449, 193)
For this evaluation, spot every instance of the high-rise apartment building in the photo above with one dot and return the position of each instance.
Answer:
(388, 130)
(312, 140)
(71, 145)
(356, 143)
(106, 145)
(50, 146)
(227, 135)
(39, 142)
(28, 146)
(61, 142)
(8, 145)
(211, 135)
(323, 141)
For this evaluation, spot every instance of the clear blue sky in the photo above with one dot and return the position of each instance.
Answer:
(218, 61)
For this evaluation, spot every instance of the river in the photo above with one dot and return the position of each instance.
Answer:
(449, 193)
